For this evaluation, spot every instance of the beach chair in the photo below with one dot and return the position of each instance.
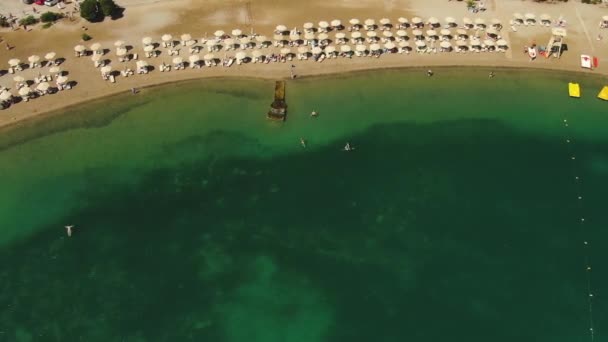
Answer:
(112, 79)
(135, 56)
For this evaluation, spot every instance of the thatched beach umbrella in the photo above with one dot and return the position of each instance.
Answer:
(361, 48)
(121, 52)
(309, 36)
(302, 49)
(323, 36)
(55, 70)
(193, 59)
(43, 87)
(18, 78)
(148, 50)
(238, 32)
(450, 21)
(146, 41)
(488, 42)
(468, 23)
(5, 96)
(492, 32)
(475, 42)
(14, 62)
(445, 33)
(96, 58)
(387, 34)
(433, 21)
(219, 33)
(79, 49)
(371, 34)
(256, 54)
(230, 42)
(330, 49)
(285, 51)
(355, 35)
(261, 39)
(432, 34)
(389, 46)
(105, 69)
(462, 33)
(96, 48)
(308, 26)
(496, 23)
(530, 16)
(402, 33)
(420, 43)
(61, 80)
(417, 21)
(316, 50)
(545, 18)
(417, 33)
(119, 43)
(208, 57)
(345, 48)
(354, 21)
(50, 57)
(185, 38)
(167, 40)
(403, 22)
(404, 44)
(480, 22)
(280, 29)
(445, 45)
(502, 43)
(25, 91)
(323, 24)
(336, 24)
(340, 35)
(245, 41)
(177, 61)
(518, 16)
(33, 59)
(369, 24)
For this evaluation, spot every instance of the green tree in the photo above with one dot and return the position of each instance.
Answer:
(91, 11)
(49, 17)
(29, 20)
(108, 7)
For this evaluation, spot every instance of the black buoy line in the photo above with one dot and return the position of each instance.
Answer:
(586, 243)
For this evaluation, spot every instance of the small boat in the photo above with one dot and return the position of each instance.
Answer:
(603, 94)
(69, 230)
(574, 90)
(314, 113)
(303, 142)
(347, 147)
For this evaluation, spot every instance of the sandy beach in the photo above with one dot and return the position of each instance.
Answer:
(201, 18)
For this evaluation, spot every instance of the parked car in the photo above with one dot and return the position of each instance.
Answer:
(39, 2)
(28, 2)
(51, 2)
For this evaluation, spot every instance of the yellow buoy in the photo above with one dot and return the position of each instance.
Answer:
(603, 93)
(574, 89)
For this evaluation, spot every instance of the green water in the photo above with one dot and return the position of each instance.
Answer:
(456, 217)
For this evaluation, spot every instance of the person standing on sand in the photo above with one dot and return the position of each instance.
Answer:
(429, 73)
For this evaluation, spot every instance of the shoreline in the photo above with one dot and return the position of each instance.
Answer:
(66, 108)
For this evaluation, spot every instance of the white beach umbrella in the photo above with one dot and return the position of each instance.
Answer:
(61, 79)
(302, 49)
(96, 58)
(279, 28)
(545, 17)
(417, 33)
(119, 43)
(496, 22)
(467, 21)
(330, 49)
(95, 47)
(340, 35)
(530, 16)
(445, 32)
(261, 39)
(323, 24)
(370, 22)
(475, 42)
(323, 36)
(375, 47)
(245, 40)
(345, 48)
(354, 21)
(143, 64)
(79, 48)
(502, 42)
(431, 33)
(256, 53)
(371, 34)
(402, 33)
(121, 52)
(166, 38)
(491, 32)
(240, 55)
(336, 23)
(50, 56)
(488, 42)
(25, 91)
(402, 20)
(106, 69)
(193, 59)
(177, 60)
(5, 95)
(416, 20)
(44, 86)
(309, 36)
(285, 51)
(55, 70)
(462, 32)
(219, 33)
(605, 18)
(186, 37)
(420, 43)
(480, 21)
(387, 34)
(518, 16)
(389, 45)
(404, 43)
(148, 48)
(385, 21)
(208, 57)
(361, 47)
(308, 26)
(238, 32)
(18, 78)
(146, 40)
(316, 50)
(33, 59)
(433, 21)
(445, 45)
(229, 41)
(355, 35)
(450, 20)
(14, 62)
(461, 43)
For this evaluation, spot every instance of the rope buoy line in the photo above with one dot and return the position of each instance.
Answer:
(586, 244)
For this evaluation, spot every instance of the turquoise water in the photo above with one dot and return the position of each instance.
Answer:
(456, 217)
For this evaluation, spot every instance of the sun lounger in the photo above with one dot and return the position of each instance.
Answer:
(135, 56)
(112, 79)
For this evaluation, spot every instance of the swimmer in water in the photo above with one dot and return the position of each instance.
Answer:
(69, 230)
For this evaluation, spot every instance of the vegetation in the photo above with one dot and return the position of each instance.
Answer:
(91, 11)
(594, 2)
(29, 20)
(47, 25)
(86, 37)
(470, 3)
(4, 22)
(108, 7)
(50, 17)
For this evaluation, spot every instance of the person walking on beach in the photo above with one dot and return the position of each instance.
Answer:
(429, 73)
(491, 75)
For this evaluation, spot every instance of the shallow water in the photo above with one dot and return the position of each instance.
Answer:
(456, 217)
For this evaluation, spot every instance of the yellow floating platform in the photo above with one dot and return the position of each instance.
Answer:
(603, 93)
(574, 89)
